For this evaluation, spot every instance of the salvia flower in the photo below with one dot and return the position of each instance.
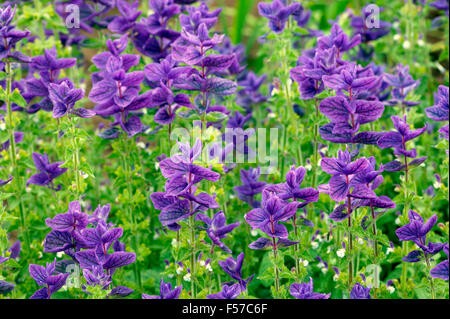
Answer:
(152, 36)
(344, 172)
(249, 95)
(197, 15)
(217, 228)
(339, 39)
(250, 186)
(416, 231)
(369, 32)
(45, 276)
(90, 247)
(115, 89)
(14, 251)
(64, 96)
(127, 19)
(402, 83)
(360, 292)
(273, 211)
(233, 267)
(439, 111)
(49, 67)
(305, 291)
(180, 200)
(278, 13)
(397, 140)
(10, 36)
(228, 292)
(441, 269)
(292, 189)
(165, 292)
(47, 171)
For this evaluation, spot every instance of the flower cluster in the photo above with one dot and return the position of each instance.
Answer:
(89, 247)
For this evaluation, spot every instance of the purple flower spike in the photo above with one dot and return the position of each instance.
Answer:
(292, 188)
(277, 13)
(439, 111)
(274, 210)
(10, 36)
(402, 83)
(343, 179)
(339, 39)
(47, 172)
(44, 276)
(217, 229)
(360, 292)
(233, 267)
(165, 292)
(398, 140)
(250, 186)
(64, 96)
(441, 269)
(228, 292)
(305, 291)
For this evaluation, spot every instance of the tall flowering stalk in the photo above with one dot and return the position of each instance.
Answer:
(397, 140)
(180, 201)
(9, 37)
(292, 190)
(346, 185)
(416, 231)
(278, 13)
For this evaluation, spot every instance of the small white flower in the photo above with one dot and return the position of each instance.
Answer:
(272, 115)
(389, 250)
(335, 277)
(305, 263)
(391, 289)
(2, 126)
(328, 249)
(157, 165)
(340, 253)
(187, 277)
(314, 245)
(397, 37)
(324, 270)
(308, 167)
(420, 43)
(360, 241)
(254, 232)
(437, 184)
(59, 254)
(202, 263)
(174, 242)
(170, 275)
(406, 45)
(397, 221)
(141, 145)
(84, 175)
(209, 268)
(179, 270)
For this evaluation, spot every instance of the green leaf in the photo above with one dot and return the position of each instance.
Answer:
(18, 99)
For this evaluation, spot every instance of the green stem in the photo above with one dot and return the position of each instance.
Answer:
(193, 261)
(12, 150)
(277, 277)
(130, 213)
(350, 243)
(433, 292)
(316, 146)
